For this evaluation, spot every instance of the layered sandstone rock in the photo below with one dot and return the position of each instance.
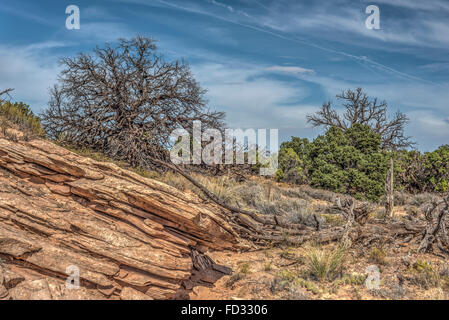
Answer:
(129, 236)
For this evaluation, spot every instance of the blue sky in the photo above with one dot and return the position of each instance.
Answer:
(267, 64)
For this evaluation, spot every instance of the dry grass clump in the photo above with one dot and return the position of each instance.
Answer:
(295, 192)
(244, 267)
(424, 275)
(377, 256)
(267, 266)
(288, 279)
(353, 279)
(7, 131)
(413, 211)
(236, 277)
(324, 264)
(333, 219)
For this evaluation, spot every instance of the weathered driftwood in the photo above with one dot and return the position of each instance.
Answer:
(273, 229)
(436, 231)
(358, 228)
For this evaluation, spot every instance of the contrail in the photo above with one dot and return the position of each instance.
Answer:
(361, 59)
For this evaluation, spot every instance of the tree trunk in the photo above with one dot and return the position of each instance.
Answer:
(389, 191)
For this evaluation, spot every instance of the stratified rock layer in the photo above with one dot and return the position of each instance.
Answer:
(130, 237)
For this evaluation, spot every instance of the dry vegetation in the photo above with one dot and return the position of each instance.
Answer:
(307, 270)
(320, 271)
(311, 270)
(20, 116)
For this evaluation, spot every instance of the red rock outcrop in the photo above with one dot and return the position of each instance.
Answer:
(129, 236)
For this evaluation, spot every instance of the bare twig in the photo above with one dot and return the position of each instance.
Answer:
(5, 92)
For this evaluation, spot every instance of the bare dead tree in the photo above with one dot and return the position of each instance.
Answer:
(125, 101)
(359, 108)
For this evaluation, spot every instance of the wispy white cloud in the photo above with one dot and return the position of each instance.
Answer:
(27, 14)
(250, 99)
(429, 5)
(45, 45)
(229, 8)
(429, 128)
(260, 25)
(253, 100)
(30, 70)
(347, 19)
(252, 93)
(435, 67)
(222, 5)
(101, 31)
(96, 12)
(289, 69)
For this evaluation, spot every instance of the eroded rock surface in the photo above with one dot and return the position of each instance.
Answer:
(129, 236)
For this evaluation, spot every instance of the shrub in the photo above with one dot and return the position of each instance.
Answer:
(419, 173)
(309, 286)
(401, 198)
(267, 267)
(299, 216)
(20, 113)
(234, 278)
(290, 167)
(351, 279)
(421, 199)
(424, 275)
(287, 275)
(244, 268)
(436, 165)
(295, 293)
(377, 256)
(278, 284)
(345, 161)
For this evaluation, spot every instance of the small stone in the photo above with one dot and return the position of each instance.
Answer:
(132, 294)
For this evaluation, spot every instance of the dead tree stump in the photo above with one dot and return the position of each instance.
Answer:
(389, 191)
